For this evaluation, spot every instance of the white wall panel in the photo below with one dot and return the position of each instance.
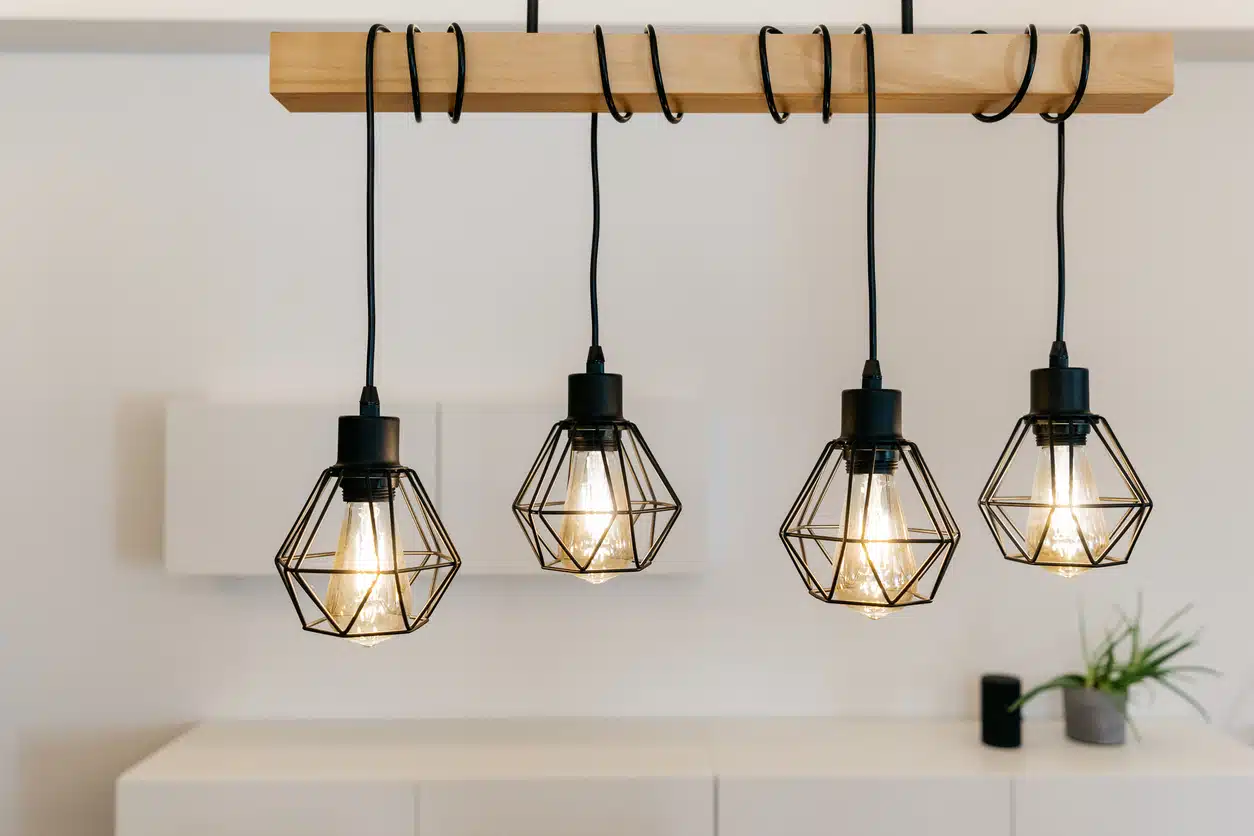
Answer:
(1108, 14)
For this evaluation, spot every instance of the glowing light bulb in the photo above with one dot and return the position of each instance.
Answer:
(881, 553)
(366, 548)
(593, 535)
(1058, 534)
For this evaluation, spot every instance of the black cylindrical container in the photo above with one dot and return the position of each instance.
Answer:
(999, 726)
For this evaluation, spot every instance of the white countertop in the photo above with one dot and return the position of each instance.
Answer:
(484, 749)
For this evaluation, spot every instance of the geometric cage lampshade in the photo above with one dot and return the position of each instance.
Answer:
(368, 557)
(1075, 503)
(870, 529)
(595, 502)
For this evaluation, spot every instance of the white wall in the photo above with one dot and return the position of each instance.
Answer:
(1108, 14)
(166, 229)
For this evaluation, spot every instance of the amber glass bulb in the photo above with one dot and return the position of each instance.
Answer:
(591, 532)
(1059, 526)
(366, 549)
(881, 551)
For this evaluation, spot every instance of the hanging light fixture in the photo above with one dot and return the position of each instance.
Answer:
(383, 570)
(595, 502)
(1064, 522)
(870, 529)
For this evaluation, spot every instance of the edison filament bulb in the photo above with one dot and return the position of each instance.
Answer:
(596, 525)
(879, 554)
(1064, 525)
(364, 580)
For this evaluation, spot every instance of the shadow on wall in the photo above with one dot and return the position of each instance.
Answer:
(66, 779)
(139, 479)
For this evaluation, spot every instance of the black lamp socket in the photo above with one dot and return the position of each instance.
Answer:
(368, 443)
(870, 423)
(1060, 399)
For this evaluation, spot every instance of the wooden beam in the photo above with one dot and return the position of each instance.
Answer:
(518, 72)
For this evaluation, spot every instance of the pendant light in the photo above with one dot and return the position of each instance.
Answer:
(381, 571)
(870, 529)
(596, 503)
(1047, 509)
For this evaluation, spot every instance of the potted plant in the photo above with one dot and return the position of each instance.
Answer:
(1095, 701)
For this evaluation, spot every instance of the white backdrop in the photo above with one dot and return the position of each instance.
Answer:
(167, 230)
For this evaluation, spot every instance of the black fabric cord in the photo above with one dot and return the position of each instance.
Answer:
(1028, 70)
(369, 398)
(870, 373)
(595, 357)
(1061, 221)
(1058, 353)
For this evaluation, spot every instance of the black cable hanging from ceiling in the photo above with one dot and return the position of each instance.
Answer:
(1059, 351)
(596, 357)
(871, 370)
(369, 395)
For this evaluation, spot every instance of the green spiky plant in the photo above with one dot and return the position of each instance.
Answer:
(1126, 657)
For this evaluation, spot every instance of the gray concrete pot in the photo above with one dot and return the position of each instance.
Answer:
(1094, 716)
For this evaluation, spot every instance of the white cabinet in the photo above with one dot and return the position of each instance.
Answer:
(1135, 806)
(896, 806)
(656, 806)
(1176, 779)
(277, 807)
(682, 777)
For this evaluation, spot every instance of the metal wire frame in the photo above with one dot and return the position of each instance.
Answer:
(651, 502)
(1013, 542)
(303, 567)
(814, 545)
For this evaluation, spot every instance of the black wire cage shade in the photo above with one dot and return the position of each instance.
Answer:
(870, 529)
(1046, 509)
(595, 502)
(378, 569)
